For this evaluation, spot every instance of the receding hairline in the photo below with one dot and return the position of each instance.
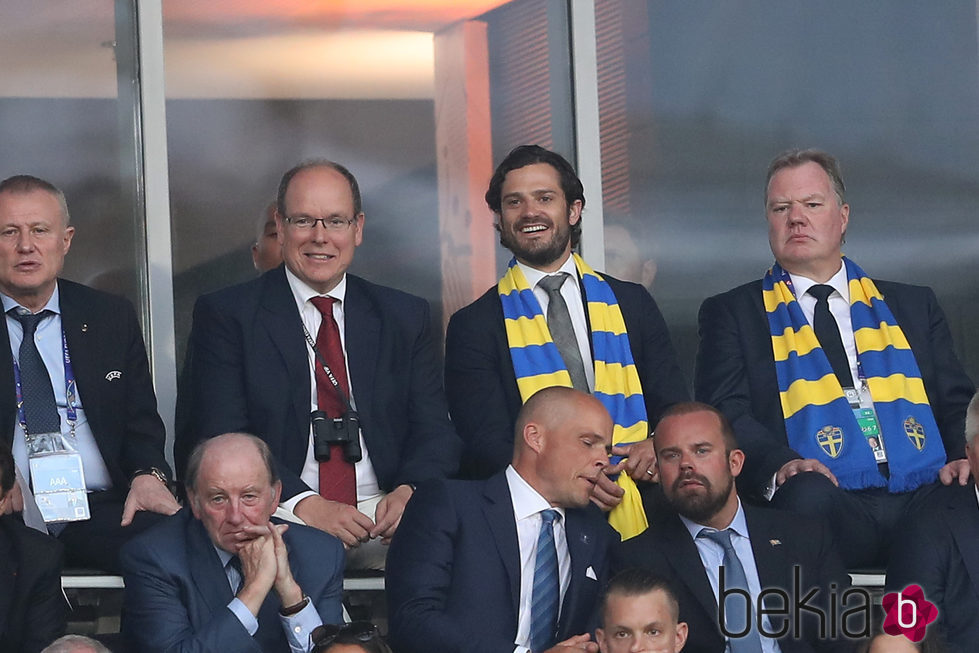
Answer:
(28, 184)
(199, 455)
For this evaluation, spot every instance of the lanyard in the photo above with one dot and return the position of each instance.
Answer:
(70, 391)
(326, 368)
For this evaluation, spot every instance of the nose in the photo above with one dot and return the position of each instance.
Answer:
(320, 232)
(234, 516)
(796, 214)
(24, 241)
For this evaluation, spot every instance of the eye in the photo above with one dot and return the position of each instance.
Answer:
(513, 201)
(336, 223)
(302, 221)
(621, 634)
(778, 209)
(653, 632)
(6, 233)
(217, 500)
(813, 205)
(545, 199)
(669, 455)
(703, 450)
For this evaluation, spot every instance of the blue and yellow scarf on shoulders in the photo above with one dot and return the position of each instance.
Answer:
(538, 364)
(818, 419)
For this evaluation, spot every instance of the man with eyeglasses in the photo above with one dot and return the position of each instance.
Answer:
(339, 375)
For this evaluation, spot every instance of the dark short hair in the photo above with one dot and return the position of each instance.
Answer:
(636, 581)
(525, 155)
(795, 158)
(327, 635)
(197, 456)
(689, 407)
(22, 184)
(280, 198)
(6, 468)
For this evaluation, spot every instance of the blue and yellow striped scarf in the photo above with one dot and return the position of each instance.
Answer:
(538, 364)
(818, 419)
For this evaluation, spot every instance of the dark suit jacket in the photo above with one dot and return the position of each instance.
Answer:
(780, 541)
(940, 552)
(482, 387)
(177, 591)
(33, 612)
(453, 571)
(736, 371)
(103, 336)
(249, 372)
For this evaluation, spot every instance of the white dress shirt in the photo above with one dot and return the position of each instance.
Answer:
(712, 556)
(367, 487)
(571, 291)
(527, 507)
(839, 306)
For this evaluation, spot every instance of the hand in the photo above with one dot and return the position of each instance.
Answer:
(147, 493)
(259, 567)
(285, 584)
(389, 511)
(606, 494)
(798, 465)
(955, 469)
(14, 500)
(577, 643)
(347, 523)
(640, 460)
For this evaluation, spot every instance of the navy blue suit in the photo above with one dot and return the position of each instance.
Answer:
(177, 591)
(780, 541)
(482, 387)
(33, 611)
(940, 552)
(249, 371)
(453, 571)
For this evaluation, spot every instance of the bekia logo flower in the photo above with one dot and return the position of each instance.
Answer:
(908, 613)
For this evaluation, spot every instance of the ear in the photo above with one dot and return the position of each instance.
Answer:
(69, 232)
(574, 212)
(681, 635)
(194, 503)
(533, 437)
(359, 229)
(600, 638)
(276, 493)
(845, 217)
(280, 227)
(736, 461)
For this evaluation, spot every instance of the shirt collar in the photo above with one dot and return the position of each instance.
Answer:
(739, 525)
(303, 293)
(838, 281)
(533, 275)
(53, 305)
(526, 500)
(223, 555)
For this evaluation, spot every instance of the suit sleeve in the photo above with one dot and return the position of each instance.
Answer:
(419, 577)
(145, 434)
(156, 618)
(954, 390)
(721, 380)
(46, 612)
(432, 449)
(922, 556)
(474, 382)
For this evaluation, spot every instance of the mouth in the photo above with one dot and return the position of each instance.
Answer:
(27, 265)
(322, 258)
(690, 481)
(533, 227)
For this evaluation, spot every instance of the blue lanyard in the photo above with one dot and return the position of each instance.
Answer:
(71, 393)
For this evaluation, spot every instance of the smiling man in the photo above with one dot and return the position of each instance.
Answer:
(221, 576)
(516, 562)
(338, 375)
(716, 552)
(844, 391)
(552, 320)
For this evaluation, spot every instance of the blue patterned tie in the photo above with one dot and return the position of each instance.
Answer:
(546, 593)
(736, 618)
(40, 409)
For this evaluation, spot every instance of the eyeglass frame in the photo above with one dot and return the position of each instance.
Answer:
(362, 631)
(332, 223)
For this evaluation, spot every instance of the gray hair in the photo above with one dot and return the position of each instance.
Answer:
(795, 158)
(76, 644)
(972, 419)
(197, 456)
(23, 184)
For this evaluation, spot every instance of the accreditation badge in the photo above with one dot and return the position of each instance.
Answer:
(59, 486)
(862, 405)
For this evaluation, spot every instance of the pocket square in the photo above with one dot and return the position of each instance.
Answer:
(590, 573)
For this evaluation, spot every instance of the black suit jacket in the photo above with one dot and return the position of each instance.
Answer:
(177, 591)
(780, 542)
(940, 552)
(453, 571)
(103, 336)
(249, 372)
(33, 612)
(482, 387)
(736, 371)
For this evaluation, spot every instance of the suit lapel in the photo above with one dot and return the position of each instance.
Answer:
(498, 509)
(83, 333)
(681, 552)
(280, 318)
(8, 390)
(581, 550)
(963, 521)
(205, 567)
(774, 568)
(362, 335)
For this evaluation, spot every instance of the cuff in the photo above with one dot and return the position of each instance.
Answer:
(299, 628)
(244, 615)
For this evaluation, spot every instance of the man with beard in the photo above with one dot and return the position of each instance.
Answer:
(552, 320)
(715, 551)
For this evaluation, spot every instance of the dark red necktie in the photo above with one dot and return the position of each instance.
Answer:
(337, 479)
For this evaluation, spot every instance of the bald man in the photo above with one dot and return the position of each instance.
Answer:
(526, 541)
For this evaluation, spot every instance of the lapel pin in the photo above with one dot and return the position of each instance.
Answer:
(775, 542)
(84, 327)
(113, 375)
(585, 538)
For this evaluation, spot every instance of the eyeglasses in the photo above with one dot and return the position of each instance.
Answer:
(305, 222)
(362, 631)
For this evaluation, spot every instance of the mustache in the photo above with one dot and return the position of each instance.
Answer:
(688, 476)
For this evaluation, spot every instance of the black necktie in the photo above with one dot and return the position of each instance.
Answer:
(828, 334)
(238, 577)
(40, 409)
